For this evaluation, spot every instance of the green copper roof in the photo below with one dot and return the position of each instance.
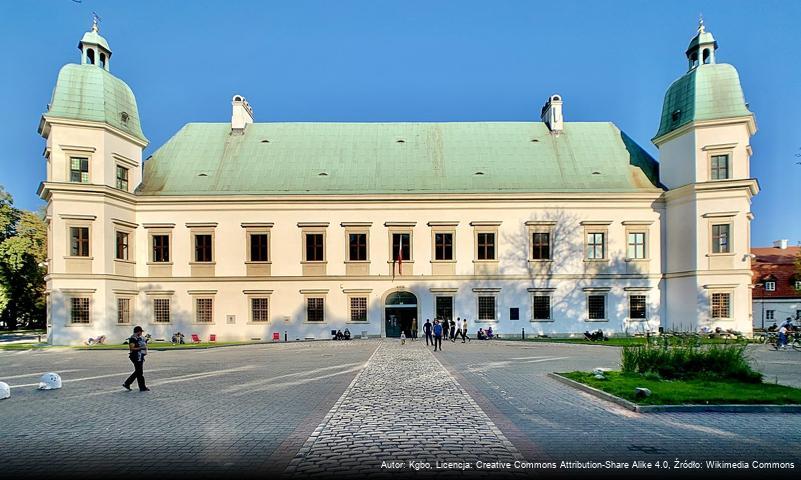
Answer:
(95, 38)
(88, 92)
(707, 92)
(380, 158)
(700, 39)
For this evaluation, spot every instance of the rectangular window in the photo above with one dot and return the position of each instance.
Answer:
(79, 170)
(637, 307)
(720, 238)
(770, 286)
(79, 241)
(486, 246)
(258, 247)
(79, 311)
(161, 310)
(358, 309)
(769, 314)
(636, 245)
(161, 248)
(514, 313)
(314, 309)
(314, 247)
(121, 252)
(720, 167)
(540, 246)
(542, 307)
(444, 307)
(401, 244)
(260, 310)
(486, 308)
(203, 248)
(123, 310)
(443, 246)
(122, 178)
(596, 307)
(203, 310)
(595, 246)
(720, 305)
(357, 247)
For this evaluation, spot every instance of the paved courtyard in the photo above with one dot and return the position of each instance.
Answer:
(305, 409)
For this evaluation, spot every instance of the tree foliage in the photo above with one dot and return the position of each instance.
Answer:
(23, 250)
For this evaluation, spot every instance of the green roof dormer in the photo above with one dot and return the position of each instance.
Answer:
(708, 91)
(89, 92)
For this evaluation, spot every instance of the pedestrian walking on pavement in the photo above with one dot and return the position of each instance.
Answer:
(464, 331)
(437, 335)
(137, 349)
(414, 329)
(427, 331)
(445, 325)
(453, 330)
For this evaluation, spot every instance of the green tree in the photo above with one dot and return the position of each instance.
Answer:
(23, 249)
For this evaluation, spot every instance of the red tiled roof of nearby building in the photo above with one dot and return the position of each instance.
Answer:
(778, 265)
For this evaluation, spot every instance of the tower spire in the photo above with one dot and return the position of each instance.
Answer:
(95, 22)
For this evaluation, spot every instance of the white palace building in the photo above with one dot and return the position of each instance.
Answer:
(252, 230)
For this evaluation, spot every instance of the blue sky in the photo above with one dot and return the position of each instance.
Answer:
(410, 60)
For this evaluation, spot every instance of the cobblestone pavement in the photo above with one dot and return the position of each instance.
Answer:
(549, 421)
(210, 412)
(402, 408)
(254, 410)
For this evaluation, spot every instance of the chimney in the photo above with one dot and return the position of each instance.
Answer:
(782, 244)
(241, 114)
(552, 114)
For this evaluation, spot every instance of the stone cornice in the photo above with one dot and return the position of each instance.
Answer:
(748, 119)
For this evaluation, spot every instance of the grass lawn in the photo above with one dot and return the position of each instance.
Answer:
(615, 341)
(165, 345)
(678, 392)
(23, 346)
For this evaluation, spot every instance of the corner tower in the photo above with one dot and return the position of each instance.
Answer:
(94, 164)
(704, 154)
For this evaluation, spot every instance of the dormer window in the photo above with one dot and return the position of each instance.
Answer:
(124, 116)
(675, 116)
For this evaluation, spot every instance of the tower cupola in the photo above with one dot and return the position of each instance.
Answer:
(94, 48)
(702, 47)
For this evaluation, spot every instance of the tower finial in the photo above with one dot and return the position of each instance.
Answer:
(95, 21)
(701, 27)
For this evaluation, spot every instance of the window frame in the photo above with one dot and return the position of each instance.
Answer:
(154, 309)
(70, 170)
(541, 294)
(119, 180)
(644, 245)
(729, 237)
(351, 299)
(712, 307)
(645, 312)
(770, 285)
(435, 246)
(393, 251)
(130, 309)
(321, 299)
(479, 246)
(436, 305)
(713, 168)
(205, 249)
(152, 253)
(126, 257)
(306, 234)
(265, 258)
(605, 296)
(494, 298)
(87, 241)
(252, 309)
(71, 303)
(196, 309)
(349, 246)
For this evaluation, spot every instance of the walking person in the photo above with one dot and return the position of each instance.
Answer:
(445, 324)
(464, 331)
(137, 349)
(414, 329)
(453, 330)
(437, 335)
(427, 331)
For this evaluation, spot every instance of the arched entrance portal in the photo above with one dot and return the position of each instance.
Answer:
(400, 308)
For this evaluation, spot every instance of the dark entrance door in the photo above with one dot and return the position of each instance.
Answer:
(400, 309)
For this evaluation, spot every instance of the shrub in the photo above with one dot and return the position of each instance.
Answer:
(684, 362)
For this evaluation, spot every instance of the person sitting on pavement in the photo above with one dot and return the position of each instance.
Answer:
(490, 335)
(346, 333)
(339, 335)
(481, 335)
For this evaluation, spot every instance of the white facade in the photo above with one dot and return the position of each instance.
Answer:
(675, 275)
